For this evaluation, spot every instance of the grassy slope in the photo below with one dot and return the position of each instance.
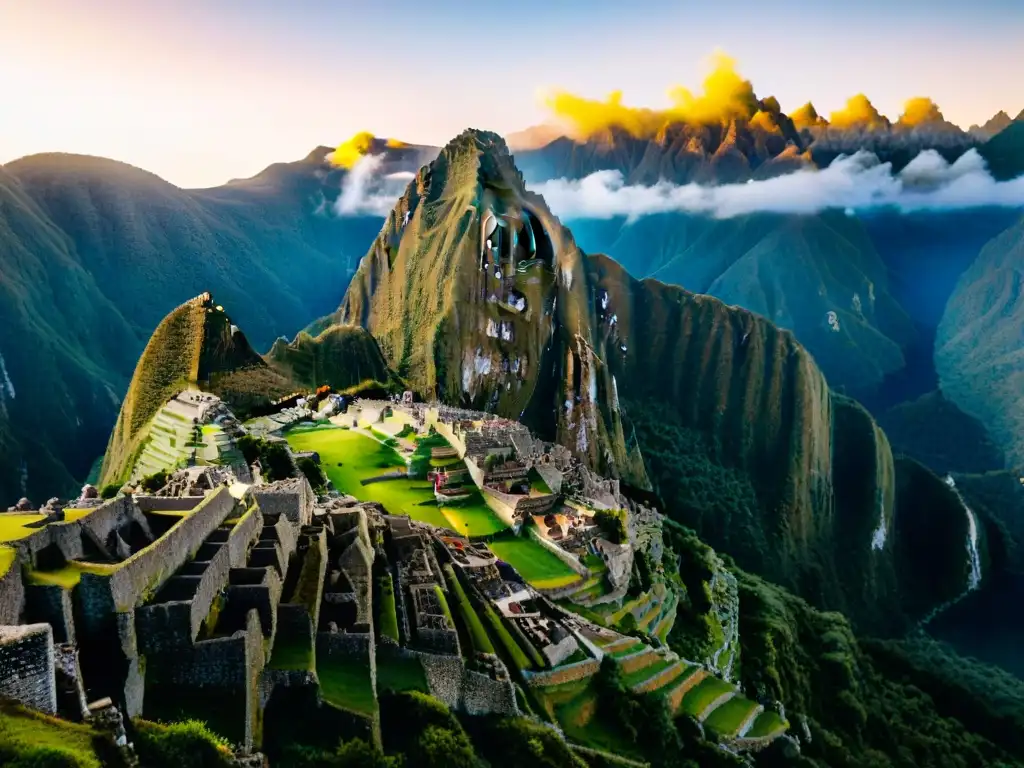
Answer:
(169, 364)
(94, 253)
(349, 457)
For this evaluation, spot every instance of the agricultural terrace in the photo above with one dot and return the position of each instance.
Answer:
(349, 457)
(12, 524)
(541, 568)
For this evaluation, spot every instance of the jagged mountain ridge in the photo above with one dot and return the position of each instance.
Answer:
(591, 343)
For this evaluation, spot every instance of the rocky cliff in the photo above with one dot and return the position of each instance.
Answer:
(479, 296)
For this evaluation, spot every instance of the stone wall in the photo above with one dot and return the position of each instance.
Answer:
(463, 689)
(246, 531)
(132, 581)
(567, 674)
(168, 503)
(27, 666)
(502, 504)
(263, 597)
(291, 499)
(569, 559)
(295, 623)
(51, 604)
(12, 594)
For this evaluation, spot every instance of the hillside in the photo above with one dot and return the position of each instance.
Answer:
(794, 270)
(978, 353)
(195, 347)
(1004, 152)
(623, 371)
(93, 252)
(341, 357)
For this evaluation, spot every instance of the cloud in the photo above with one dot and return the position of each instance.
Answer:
(365, 191)
(351, 151)
(725, 95)
(857, 182)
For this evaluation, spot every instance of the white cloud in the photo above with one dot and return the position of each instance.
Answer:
(365, 191)
(850, 183)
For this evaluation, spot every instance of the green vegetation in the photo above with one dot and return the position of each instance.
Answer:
(537, 483)
(727, 719)
(638, 676)
(188, 744)
(767, 724)
(514, 742)
(512, 648)
(345, 683)
(474, 627)
(29, 739)
(400, 673)
(540, 567)
(349, 457)
(273, 457)
(444, 603)
(315, 476)
(156, 481)
(169, 364)
(388, 611)
(424, 730)
(291, 653)
(342, 357)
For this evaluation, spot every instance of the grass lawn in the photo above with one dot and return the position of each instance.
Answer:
(700, 696)
(345, 683)
(727, 719)
(291, 655)
(21, 727)
(474, 627)
(388, 611)
(12, 524)
(362, 457)
(400, 674)
(541, 568)
(766, 724)
(575, 712)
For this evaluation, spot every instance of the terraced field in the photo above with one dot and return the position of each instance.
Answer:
(730, 718)
(349, 457)
(703, 695)
(540, 567)
(768, 723)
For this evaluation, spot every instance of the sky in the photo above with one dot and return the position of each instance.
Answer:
(203, 91)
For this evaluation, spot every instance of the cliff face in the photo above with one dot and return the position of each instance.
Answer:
(715, 407)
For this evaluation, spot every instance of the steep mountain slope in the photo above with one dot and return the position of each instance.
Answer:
(515, 318)
(795, 270)
(63, 346)
(92, 252)
(195, 347)
(1004, 152)
(341, 357)
(978, 351)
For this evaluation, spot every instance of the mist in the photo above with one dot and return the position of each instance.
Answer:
(366, 191)
(858, 182)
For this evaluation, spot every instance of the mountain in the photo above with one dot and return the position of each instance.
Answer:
(1004, 152)
(198, 347)
(727, 151)
(817, 275)
(1000, 121)
(978, 351)
(480, 297)
(761, 143)
(93, 252)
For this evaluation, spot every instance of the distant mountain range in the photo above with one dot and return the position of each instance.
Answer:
(94, 252)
